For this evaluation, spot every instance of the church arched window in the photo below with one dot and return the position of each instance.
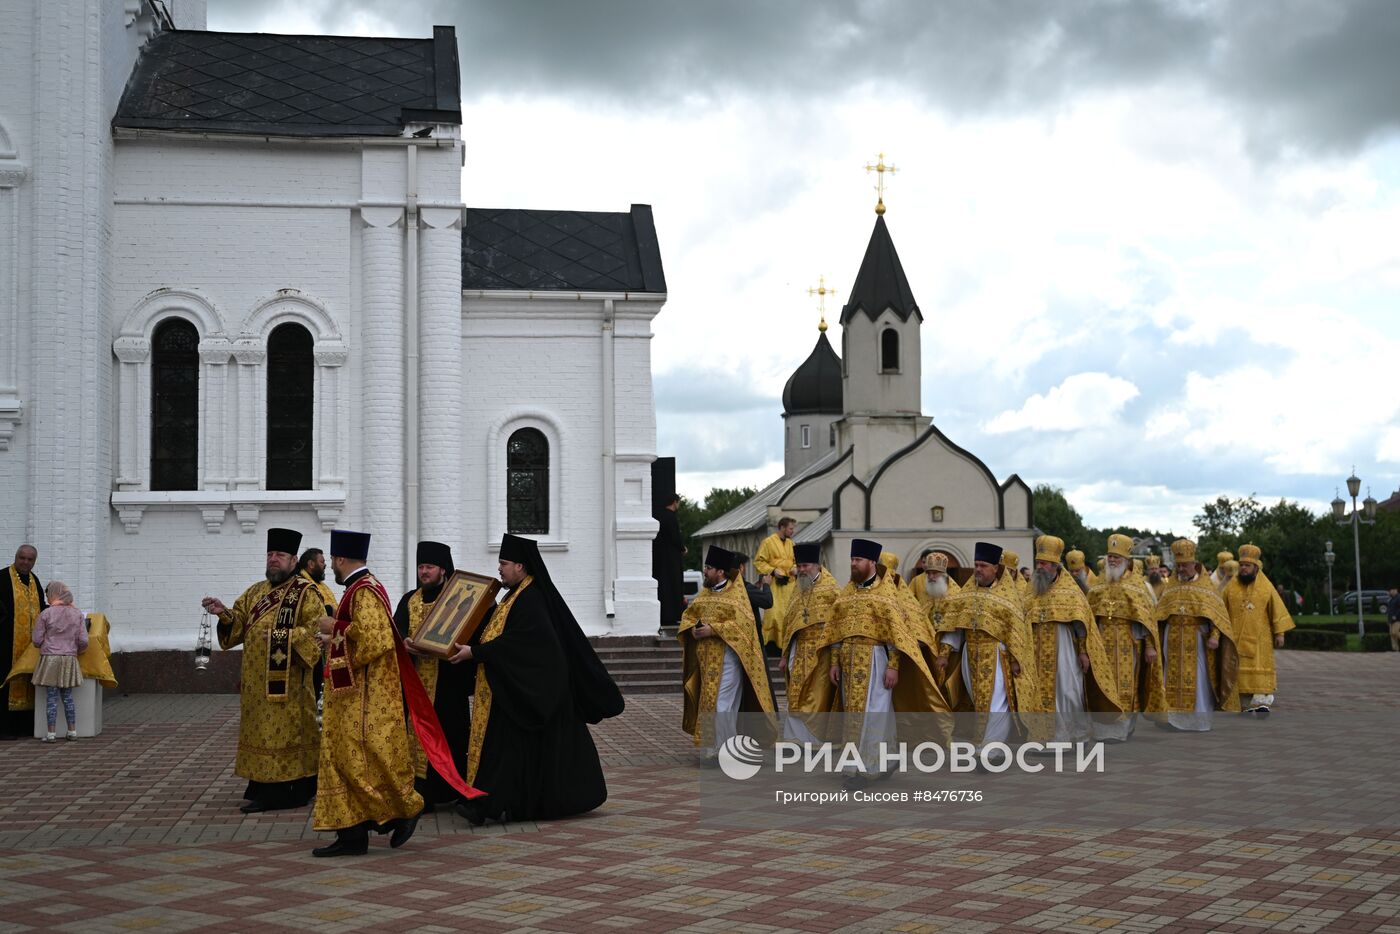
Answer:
(175, 406)
(889, 351)
(527, 482)
(291, 410)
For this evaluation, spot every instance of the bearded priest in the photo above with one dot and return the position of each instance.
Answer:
(1199, 662)
(1071, 665)
(806, 661)
(1127, 622)
(1260, 618)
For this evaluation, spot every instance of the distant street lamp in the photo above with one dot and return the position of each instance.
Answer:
(1329, 556)
(1339, 514)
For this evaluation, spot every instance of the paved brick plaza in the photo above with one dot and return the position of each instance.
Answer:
(138, 830)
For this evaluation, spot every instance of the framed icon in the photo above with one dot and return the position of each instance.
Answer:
(465, 602)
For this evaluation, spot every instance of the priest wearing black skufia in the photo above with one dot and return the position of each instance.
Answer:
(448, 684)
(538, 686)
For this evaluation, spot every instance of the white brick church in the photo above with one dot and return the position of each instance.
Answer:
(239, 289)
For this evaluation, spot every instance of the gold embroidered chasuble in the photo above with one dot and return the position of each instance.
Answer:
(278, 740)
(800, 633)
(365, 770)
(1257, 613)
(1188, 605)
(427, 668)
(730, 615)
(864, 617)
(776, 557)
(1065, 603)
(27, 606)
(1116, 608)
(989, 617)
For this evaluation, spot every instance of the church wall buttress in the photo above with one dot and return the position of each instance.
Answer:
(441, 413)
(381, 410)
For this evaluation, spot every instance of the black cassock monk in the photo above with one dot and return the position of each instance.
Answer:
(538, 686)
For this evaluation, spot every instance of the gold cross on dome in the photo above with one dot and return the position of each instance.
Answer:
(821, 292)
(879, 168)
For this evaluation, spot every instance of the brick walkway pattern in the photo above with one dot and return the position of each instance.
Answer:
(139, 830)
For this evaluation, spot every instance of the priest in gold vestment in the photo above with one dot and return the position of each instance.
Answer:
(1012, 562)
(1072, 668)
(932, 588)
(1199, 662)
(881, 651)
(1260, 618)
(986, 654)
(723, 670)
(805, 660)
(21, 602)
(366, 774)
(776, 561)
(1074, 563)
(1127, 623)
(1222, 573)
(449, 684)
(274, 620)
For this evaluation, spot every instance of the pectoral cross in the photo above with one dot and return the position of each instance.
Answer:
(279, 656)
(879, 168)
(338, 640)
(821, 292)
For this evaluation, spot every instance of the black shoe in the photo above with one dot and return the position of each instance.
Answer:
(254, 807)
(403, 829)
(344, 846)
(1262, 712)
(471, 812)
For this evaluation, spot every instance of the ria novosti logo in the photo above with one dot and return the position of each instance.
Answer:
(740, 757)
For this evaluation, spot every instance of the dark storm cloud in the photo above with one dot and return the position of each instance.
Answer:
(1299, 73)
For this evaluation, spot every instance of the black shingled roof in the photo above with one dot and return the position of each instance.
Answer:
(881, 283)
(561, 251)
(252, 83)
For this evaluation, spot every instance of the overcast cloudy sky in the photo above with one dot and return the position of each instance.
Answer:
(1156, 245)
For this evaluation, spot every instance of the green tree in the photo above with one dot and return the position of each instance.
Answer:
(1293, 544)
(1221, 524)
(693, 516)
(1055, 516)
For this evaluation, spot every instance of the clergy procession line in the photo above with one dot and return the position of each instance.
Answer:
(1067, 655)
(497, 729)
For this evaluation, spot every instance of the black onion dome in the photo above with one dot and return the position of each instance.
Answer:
(815, 387)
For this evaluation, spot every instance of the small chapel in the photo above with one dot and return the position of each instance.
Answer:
(860, 458)
(239, 288)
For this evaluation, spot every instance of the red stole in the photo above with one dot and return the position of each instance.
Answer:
(340, 676)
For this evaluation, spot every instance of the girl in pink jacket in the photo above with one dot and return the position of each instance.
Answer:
(60, 634)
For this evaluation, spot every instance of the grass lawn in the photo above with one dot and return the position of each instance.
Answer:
(1304, 621)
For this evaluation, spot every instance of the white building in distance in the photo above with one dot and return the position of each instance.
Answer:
(239, 289)
(860, 458)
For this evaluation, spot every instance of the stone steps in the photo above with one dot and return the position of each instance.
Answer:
(652, 664)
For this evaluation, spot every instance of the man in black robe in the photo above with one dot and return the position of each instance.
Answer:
(21, 602)
(760, 598)
(449, 685)
(667, 559)
(538, 686)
